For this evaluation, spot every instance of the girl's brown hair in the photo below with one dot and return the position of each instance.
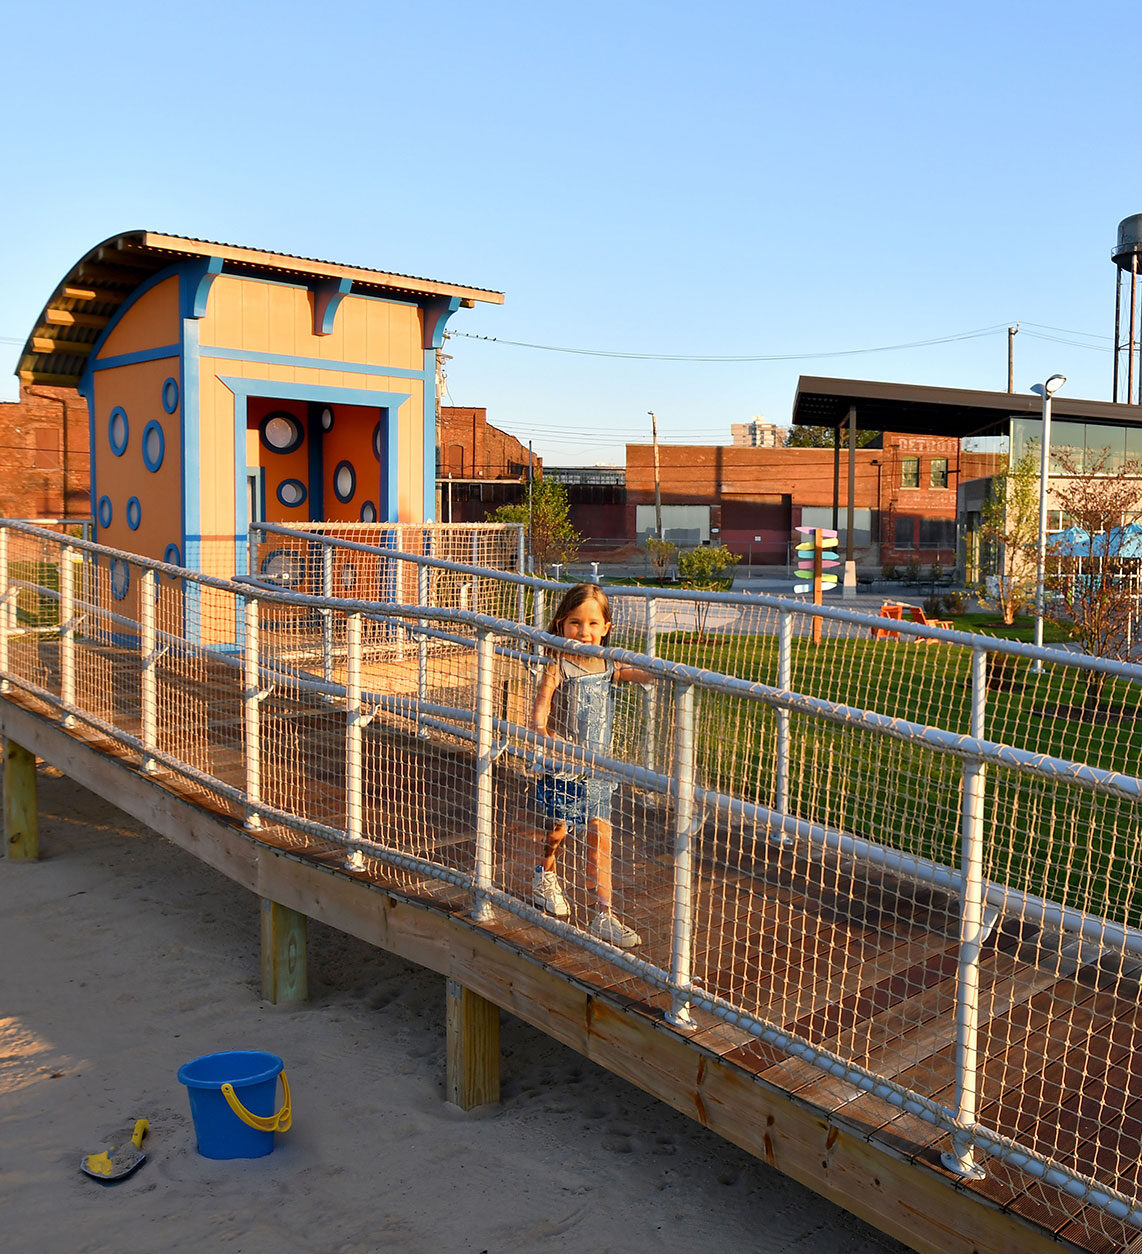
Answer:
(572, 599)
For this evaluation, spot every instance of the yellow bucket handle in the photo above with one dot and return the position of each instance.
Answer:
(263, 1123)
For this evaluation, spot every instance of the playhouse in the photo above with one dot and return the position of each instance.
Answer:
(227, 385)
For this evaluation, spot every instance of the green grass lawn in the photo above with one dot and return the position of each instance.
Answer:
(1053, 839)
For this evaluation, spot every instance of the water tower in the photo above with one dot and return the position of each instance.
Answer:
(1127, 258)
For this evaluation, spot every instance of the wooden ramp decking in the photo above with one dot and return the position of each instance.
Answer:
(866, 969)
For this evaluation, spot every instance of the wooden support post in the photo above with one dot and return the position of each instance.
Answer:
(21, 814)
(284, 973)
(473, 1053)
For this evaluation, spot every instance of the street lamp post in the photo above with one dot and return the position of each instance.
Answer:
(1046, 391)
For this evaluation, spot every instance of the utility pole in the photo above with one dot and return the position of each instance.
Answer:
(657, 478)
(1012, 332)
(530, 493)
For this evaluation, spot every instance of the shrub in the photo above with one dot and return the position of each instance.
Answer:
(888, 571)
(912, 571)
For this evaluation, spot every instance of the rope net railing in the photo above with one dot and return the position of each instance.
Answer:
(902, 866)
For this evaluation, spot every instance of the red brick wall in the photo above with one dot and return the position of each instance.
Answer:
(472, 449)
(715, 475)
(45, 456)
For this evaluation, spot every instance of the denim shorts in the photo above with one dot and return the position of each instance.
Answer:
(574, 799)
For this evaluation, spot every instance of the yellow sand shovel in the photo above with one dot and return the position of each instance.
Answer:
(118, 1161)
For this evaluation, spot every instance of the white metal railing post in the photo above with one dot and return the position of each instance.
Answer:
(354, 727)
(972, 932)
(148, 658)
(681, 949)
(475, 557)
(521, 589)
(68, 559)
(650, 722)
(784, 682)
(482, 877)
(251, 711)
(421, 650)
(6, 615)
(327, 614)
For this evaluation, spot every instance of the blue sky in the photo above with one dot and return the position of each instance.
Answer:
(754, 180)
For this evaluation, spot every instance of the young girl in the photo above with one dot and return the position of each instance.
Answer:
(575, 701)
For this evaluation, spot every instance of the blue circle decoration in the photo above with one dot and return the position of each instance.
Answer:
(291, 493)
(104, 511)
(170, 395)
(377, 441)
(344, 481)
(118, 430)
(172, 555)
(134, 513)
(327, 419)
(368, 512)
(281, 432)
(120, 578)
(154, 445)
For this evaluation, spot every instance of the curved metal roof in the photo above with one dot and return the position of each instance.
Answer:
(91, 294)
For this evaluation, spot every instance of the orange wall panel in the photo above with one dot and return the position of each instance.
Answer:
(152, 321)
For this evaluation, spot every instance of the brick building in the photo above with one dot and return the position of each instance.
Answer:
(45, 457)
(478, 466)
(750, 499)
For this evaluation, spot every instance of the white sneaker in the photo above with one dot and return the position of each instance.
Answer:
(548, 895)
(605, 927)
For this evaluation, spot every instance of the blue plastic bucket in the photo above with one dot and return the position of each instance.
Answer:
(232, 1097)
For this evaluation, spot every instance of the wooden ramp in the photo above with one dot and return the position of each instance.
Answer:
(847, 1145)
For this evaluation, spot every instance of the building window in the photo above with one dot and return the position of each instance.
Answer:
(938, 473)
(904, 531)
(909, 472)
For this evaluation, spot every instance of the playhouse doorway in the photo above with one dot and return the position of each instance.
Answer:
(314, 462)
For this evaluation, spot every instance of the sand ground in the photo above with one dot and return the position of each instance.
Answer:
(125, 957)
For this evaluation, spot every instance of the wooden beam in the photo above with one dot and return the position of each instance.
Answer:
(49, 379)
(473, 1048)
(917, 1202)
(80, 293)
(69, 318)
(21, 815)
(285, 978)
(49, 344)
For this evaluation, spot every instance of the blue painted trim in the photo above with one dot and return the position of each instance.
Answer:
(131, 359)
(348, 496)
(428, 509)
(118, 448)
(297, 483)
(119, 315)
(198, 278)
(241, 501)
(327, 297)
(190, 435)
(389, 505)
(170, 395)
(134, 513)
(437, 311)
(104, 511)
(275, 389)
(368, 512)
(294, 422)
(316, 461)
(154, 425)
(120, 578)
(314, 363)
(172, 555)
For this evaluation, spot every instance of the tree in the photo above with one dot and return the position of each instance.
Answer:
(1095, 596)
(822, 437)
(661, 553)
(545, 515)
(1010, 527)
(708, 568)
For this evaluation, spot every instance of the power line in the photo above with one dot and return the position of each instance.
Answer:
(844, 352)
